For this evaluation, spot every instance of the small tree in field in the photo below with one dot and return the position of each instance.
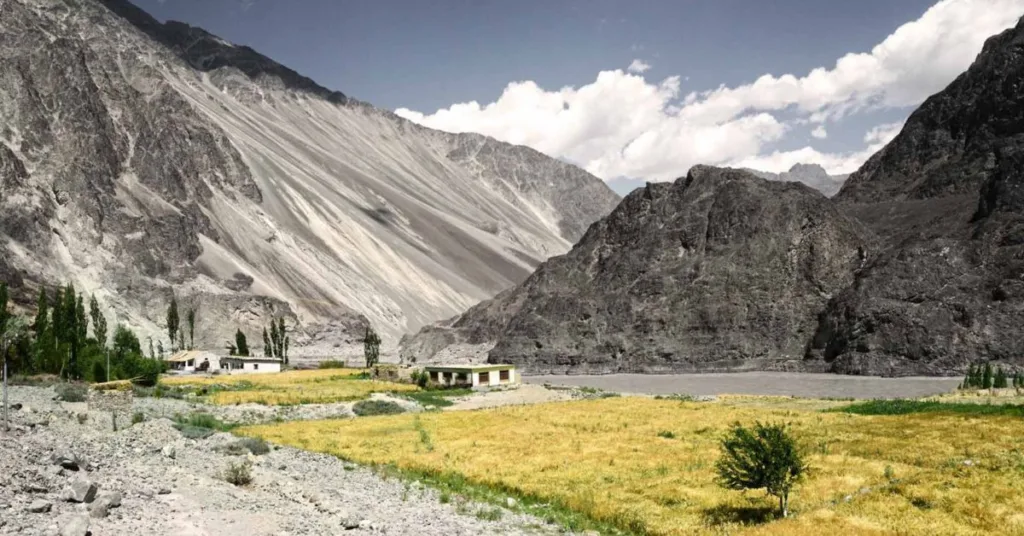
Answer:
(1000, 380)
(371, 347)
(763, 457)
(986, 377)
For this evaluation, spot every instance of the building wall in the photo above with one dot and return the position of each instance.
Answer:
(238, 366)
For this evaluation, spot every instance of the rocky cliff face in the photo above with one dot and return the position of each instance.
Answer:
(719, 270)
(915, 267)
(948, 287)
(140, 158)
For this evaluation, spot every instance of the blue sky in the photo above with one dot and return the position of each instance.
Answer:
(419, 57)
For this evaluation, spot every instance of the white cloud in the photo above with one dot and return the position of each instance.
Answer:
(819, 132)
(835, 163)
(623, 125)
(638, 66)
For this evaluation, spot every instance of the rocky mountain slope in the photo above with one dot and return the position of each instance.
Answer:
(137, 158)
(719, 270)
(915, 267)
(812, 175)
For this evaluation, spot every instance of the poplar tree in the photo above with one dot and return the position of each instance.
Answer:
(172, 321)
(99, 323)
(44, 335)
(267, 349)
(192, 328)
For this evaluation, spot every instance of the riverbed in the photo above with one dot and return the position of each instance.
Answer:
(760, 383)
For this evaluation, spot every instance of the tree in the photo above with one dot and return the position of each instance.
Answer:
(152, 354)
(287, 340)
(268, 350)
(764, 457)
(99, 322)
(999, 382)
(242, 348)
(371, 347)
(986, 378)
(71, 331)
(160, 348)
(44, 335)
(281, 338)
(12, 330)
(192, 328)
(172, 321)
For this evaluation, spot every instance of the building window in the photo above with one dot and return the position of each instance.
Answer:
(433, 376)
(255, 366)
(463, 378)
(448, 377)
(485, 378)
(503, 376)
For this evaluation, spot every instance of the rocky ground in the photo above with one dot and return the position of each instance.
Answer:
(63, 470)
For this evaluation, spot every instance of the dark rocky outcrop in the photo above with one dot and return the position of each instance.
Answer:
(720, 270)
(948, 288)
(915, 267)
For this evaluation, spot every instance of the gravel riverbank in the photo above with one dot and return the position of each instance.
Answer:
(64, 471)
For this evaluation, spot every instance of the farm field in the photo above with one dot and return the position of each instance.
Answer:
(647, 466)
(289, 388)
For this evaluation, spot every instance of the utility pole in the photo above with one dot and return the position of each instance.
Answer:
(106, 352)
(7, 427)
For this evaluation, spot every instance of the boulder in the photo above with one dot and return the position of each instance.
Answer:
(39, 506)
(81, 491)
(76, 526)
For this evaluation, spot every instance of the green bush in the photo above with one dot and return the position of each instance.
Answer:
(194, 432)
(239, 474)
(331, 364)
(764, 457)
(377, 407)
(246, 445)
(666, 434)
(72, 392)
(138, 417)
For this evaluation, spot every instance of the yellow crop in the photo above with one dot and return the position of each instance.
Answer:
(949, 474)
(270, 379)
(292, 387)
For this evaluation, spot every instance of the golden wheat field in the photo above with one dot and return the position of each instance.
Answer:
(291, 387)
(947, 474)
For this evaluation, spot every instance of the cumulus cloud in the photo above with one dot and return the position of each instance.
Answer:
(638, 66)
(624, 125)
(819, 132)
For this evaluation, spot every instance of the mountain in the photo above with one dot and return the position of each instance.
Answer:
(947, 194)
(139, 159)
(718, 270)
(812, 175)
(914, 267)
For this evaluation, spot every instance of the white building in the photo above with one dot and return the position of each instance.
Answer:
(473, 375)
(237, 364)
(194, 360)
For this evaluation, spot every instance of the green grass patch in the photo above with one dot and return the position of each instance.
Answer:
(904, 407)
(200, 425)
(439, 398)
(377, 407)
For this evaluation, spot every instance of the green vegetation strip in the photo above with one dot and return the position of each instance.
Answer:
(438, 398)
(904, 407)
(454, 487)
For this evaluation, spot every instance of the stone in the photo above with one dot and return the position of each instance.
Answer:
(34, 487)
(112, 498)
(163, 491)
(67, 461)
(510, 502)
(39, 506)
(168, 451)
(81, 491)
(76, 526)
(99, 509)
(350, 523)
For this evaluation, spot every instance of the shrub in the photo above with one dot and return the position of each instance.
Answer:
(377, 407)
(254, 445)
(421, 378)
(331, 364)
(666, 434)
(1000, 380)
(82, 418)
(72, 392)
(239, 474)
(138, 417)
(763, 457)
(194, 432)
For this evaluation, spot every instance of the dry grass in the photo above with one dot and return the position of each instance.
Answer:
(273, 379)
(290, 388)
(605, 458)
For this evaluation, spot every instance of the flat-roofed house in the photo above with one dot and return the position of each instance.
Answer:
(193, 361)
(248, 364)
(473, 375)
